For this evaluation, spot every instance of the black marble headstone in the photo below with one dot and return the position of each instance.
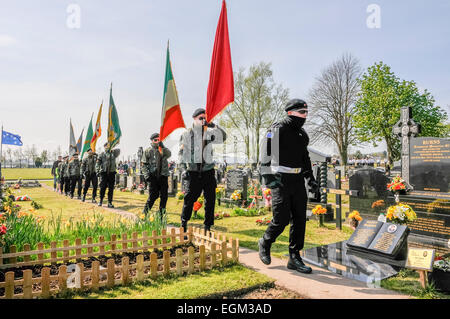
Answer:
(236, 180)
(372, 186)
(430, 164)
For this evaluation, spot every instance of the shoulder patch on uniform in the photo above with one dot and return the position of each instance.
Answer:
(269, 134)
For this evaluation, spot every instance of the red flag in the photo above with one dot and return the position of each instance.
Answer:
(221, 83)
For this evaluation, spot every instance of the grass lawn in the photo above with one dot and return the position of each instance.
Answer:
(228, 281)
(27, 173)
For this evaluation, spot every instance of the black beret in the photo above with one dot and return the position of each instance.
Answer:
(154, 135)
(295, 104)
(198, 112)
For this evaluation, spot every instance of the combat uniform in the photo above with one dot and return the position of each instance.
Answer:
(285, 164)
(90, 176)
(55, 173)
(60, 172)
(65, 170)
(106, 170)
(155, 169)
(75, 176)
(196, 159)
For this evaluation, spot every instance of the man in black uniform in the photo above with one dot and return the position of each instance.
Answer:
(105, 168)
(90, 176)
(55, 173)
(285, 164)
(196, 158)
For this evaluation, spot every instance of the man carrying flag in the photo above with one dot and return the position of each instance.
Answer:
(106, 162)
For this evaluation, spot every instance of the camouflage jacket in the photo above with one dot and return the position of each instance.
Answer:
(88, 164)
(194, 157)
(150, 160)
(59, 169)
(106, 161)
(65, 169)
(74, 167)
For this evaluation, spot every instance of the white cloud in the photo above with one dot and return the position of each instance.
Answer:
(6, 40)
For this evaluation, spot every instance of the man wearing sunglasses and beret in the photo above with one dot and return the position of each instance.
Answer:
(196, 159)
(155, 169)
(285, 164)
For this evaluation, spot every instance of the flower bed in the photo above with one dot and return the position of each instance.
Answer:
(109, 266)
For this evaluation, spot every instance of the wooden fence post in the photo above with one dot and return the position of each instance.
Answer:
(45, 282)
(90, 250)
(9, 285)
(144, 241)
(78, 250)
(181, 229)
(124, 244)
(140, 267)
(224, 253)
(53, 254)
(27, 284)
(135, 242)
(202, 257)
(95, 275)
(66, 252)
(179, 262)
(164, 239)
(172, 237)
(190, 234)
(155, 241)
(153, 265)
(111, 272)
(62, 278)
(166, 257)
(40, 246)
(101, 240)
(213, 254)
(12, 250)
(81, 267)
(26, 247)
(191, 260)
(125, 270)
(234, 250)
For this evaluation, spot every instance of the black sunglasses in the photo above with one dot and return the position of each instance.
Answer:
(302, 111)
(202, 118)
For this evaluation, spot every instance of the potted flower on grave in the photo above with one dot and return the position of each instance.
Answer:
(400, 214)
(320, 212)
(354, 219)
(398, 187)
(180, 196)
(440, 276)
(197, 206)
(379, 207)
(220, 191)
(267, 193)
(236, 195)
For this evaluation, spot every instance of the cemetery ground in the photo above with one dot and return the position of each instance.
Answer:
(26, 173)
(208, 283)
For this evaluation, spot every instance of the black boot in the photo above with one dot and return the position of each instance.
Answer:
(264, 251)
(94, 201)
(84, 198)
(296, 263)
(110, 205)
(100, 203)
(184, 225)
(207, 229)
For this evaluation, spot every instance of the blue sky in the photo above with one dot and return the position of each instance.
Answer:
(51, 73)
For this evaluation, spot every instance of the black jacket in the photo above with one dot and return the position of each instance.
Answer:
(293, 152)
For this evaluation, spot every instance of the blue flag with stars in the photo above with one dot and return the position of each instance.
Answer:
(11, 139)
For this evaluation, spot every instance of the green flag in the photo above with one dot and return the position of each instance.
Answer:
(87, 140)
(114, 132)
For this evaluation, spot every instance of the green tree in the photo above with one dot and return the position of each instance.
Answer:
(378, 106)
(258, 102)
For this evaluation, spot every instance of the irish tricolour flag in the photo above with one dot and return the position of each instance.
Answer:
(171, 117)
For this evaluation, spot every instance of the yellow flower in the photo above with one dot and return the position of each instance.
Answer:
(142, 216)
(152, 218)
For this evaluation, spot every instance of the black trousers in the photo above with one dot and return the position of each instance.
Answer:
(67, 185)
(196, 183)
(107, 180)
(90, 178)
(289, 205)
(157, 187)
(61, 184)
(75, 181)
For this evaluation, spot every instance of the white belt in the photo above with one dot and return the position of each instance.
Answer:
(285, 169)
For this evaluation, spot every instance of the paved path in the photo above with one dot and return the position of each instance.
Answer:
(320, 284)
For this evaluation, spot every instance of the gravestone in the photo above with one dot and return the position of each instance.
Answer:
(371, 186)
(236, 179)
(172, 184)
(122, 180)
(385, 239)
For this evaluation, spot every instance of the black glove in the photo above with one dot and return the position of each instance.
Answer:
(161, 144)
(272, 181)
(313, 186)
(211, 124)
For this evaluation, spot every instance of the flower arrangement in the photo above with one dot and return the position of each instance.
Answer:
(197, 206)
(23, 198)
(236, 195)
(263, 222)
(442, 263)
(354, 218)
(319, 210)
(141, 188)
(379, 204)
(220, 191)
(401, 214)
(397, 184)
(180, 196)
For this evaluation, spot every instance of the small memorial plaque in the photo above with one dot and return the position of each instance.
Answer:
(389, 239)
(420, 259)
